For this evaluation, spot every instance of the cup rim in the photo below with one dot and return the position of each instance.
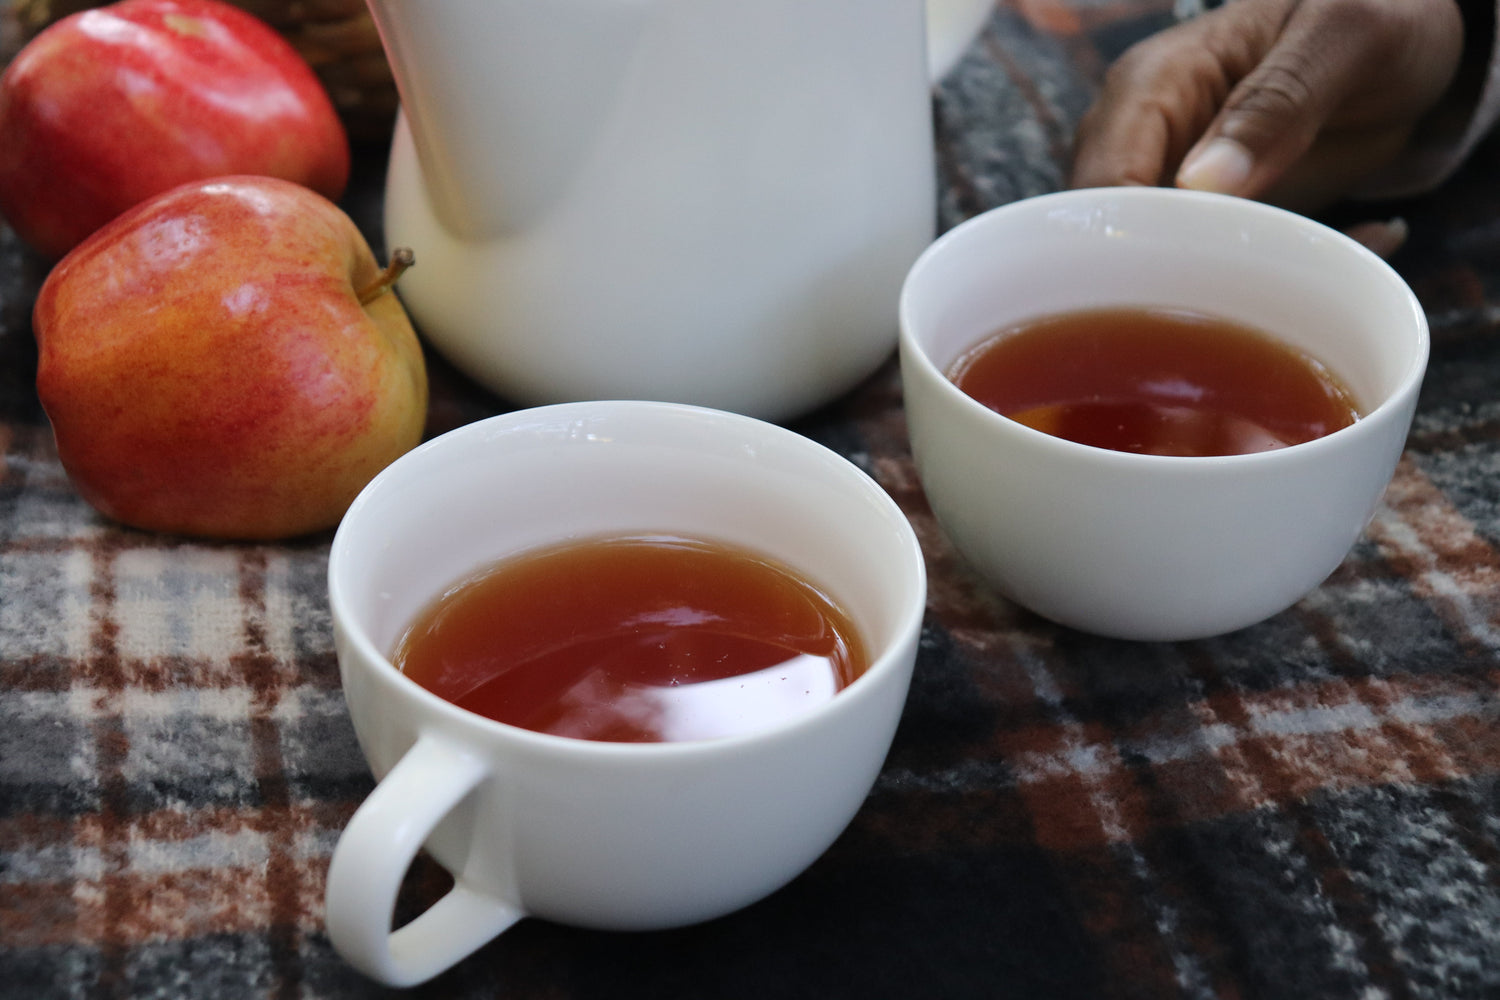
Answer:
(903, 632)
(913, 350)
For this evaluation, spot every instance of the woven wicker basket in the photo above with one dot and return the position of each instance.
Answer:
(337, 37)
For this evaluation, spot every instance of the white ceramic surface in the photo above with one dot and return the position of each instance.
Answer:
(711, 202)
(621, 836)
(1151, 547)
(951, 27)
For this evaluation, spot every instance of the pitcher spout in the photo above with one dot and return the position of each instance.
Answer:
(504, 98)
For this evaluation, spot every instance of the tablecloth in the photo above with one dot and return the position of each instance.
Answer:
(1305, 808)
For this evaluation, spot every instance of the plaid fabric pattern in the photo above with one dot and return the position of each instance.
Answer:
(1306, 808)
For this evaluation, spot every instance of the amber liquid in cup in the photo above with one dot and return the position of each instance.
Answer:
(1156, 382)
(634, 639)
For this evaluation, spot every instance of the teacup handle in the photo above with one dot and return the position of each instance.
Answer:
(371, 859)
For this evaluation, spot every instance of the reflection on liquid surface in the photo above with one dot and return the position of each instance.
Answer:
(688, 699)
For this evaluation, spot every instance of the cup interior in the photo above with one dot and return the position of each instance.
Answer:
(575, 471)
(1300, 281)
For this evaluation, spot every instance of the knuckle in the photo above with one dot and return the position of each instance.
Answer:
(1280, 90)
(1274, 100)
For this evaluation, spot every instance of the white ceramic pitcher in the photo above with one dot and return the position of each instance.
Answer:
(701, 201)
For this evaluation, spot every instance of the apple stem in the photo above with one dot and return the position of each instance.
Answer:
(401, 259)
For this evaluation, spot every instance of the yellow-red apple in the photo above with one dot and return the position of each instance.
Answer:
(112, 105)
(224, 360)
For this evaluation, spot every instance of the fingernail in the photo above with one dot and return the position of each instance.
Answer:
(1384, 238)
(1221, 165)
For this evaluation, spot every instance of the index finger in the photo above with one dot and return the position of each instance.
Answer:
(1125, 144)
(1156, 100)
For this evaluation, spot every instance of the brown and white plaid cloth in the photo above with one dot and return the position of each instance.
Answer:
(1306, 808)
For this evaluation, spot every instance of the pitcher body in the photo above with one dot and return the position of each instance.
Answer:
(701, 201)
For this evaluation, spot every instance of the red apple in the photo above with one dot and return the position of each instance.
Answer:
(110, 106)
(220, 361)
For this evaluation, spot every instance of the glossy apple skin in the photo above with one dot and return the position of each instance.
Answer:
(112, 105)
(209, 370)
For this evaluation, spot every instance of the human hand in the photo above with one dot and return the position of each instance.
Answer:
(1288, 101)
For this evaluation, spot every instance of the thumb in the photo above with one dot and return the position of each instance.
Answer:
(1273, 115)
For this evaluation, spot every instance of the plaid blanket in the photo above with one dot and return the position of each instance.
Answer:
(1305, 808)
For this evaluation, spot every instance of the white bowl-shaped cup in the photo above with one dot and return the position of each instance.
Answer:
(1140, 546)
(605, 835)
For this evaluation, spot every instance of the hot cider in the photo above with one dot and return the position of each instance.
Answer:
(634, 639)
(1156, 382)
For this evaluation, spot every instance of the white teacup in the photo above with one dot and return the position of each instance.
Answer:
(1141, 546)
(604, 835)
